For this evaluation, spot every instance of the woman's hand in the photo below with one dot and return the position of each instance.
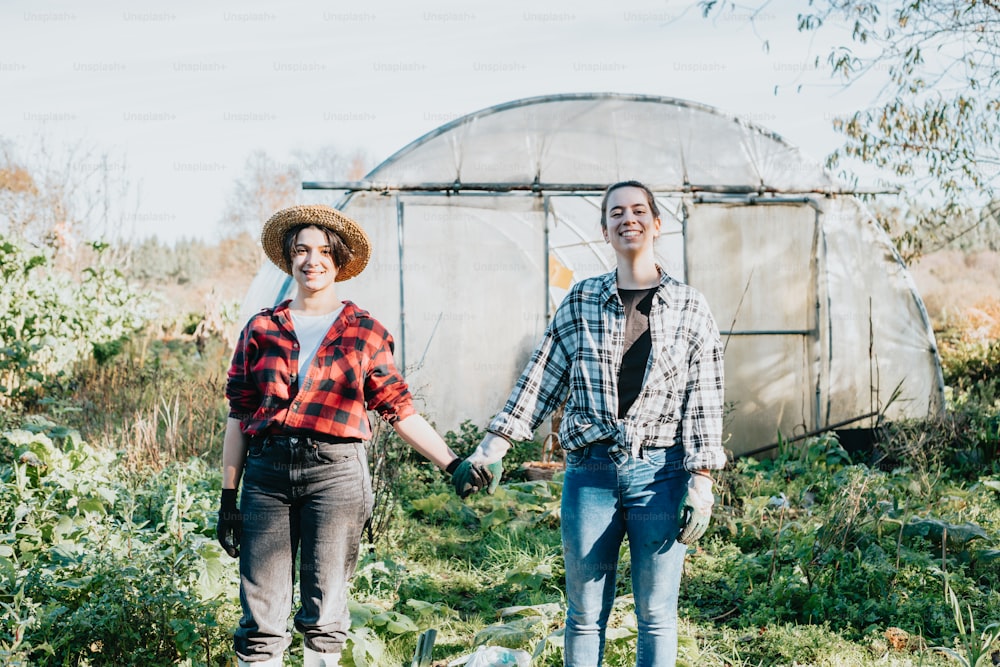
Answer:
(696, 508)
(470, 478)
(489, 455)
(229, 528)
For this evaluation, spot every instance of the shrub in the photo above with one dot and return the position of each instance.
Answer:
(101, 568)
(52, 319)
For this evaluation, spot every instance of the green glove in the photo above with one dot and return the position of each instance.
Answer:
(492, 448)
(695, 509)
(468, 479)
(495, 471)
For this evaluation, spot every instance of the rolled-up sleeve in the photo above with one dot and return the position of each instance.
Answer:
(539, 390)
(241, 391)
(703, 409)
(386, 391)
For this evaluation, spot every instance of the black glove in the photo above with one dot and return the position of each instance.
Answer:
(468, 478)
(229, 529)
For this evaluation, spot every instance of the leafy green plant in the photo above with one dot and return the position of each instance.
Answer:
(465, 440)
(52, 319)
(973, 650)
(365, 646)
(809, 539)
(99, 575)
(107, 511)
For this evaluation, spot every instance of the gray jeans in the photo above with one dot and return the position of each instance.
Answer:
(306, 497)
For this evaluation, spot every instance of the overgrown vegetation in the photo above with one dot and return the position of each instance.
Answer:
(932, 125)
(52, 318)
(104, 566)
(109, 476)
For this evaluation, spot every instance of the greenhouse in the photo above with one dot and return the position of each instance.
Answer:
(481, 226)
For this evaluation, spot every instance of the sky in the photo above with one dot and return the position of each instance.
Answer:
(179, 94)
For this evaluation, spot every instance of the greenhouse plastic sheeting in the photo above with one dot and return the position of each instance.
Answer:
(754, 264)
(821, 321)
(668, 145)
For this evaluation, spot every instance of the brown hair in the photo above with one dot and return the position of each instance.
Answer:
(654, 209)
(338, 249)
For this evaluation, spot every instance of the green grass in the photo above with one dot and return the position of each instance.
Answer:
(814, 558)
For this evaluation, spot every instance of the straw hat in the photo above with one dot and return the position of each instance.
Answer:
(273, 235)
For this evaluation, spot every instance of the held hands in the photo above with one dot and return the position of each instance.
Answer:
(229, 529)
(469, 478)
(483, 469)
(696, 508)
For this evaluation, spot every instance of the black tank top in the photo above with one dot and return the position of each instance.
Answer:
(638, 345)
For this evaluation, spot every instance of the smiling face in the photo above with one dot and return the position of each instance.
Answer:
(312, 262)
(631, 225)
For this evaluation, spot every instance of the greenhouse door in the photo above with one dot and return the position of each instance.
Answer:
(473, 305)
(756, 267)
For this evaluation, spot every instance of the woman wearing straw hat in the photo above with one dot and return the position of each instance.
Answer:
(303, 376)
(640, 358)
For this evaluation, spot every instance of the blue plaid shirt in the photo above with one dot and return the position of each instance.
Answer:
(681, 401)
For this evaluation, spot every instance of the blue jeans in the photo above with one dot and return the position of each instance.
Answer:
(314, 499)
(602, 502)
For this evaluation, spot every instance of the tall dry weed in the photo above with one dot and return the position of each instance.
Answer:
(161, 401)
(952, 282)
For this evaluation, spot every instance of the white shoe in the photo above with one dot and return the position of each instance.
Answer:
(311, 658)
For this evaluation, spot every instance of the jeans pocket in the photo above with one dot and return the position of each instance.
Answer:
(668, 459)
(256, 448)
(576, 457)
(334, 453)
(654, 456)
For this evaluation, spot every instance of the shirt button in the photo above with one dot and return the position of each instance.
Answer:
(295, 346)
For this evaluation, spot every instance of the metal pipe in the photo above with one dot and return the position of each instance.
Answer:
(546, 211)
(761, 194)
(810, 434)
(770, 332)
(402, 299)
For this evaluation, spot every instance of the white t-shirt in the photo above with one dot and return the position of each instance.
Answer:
(311, 330)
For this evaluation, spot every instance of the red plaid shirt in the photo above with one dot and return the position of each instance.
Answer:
(353, 371)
